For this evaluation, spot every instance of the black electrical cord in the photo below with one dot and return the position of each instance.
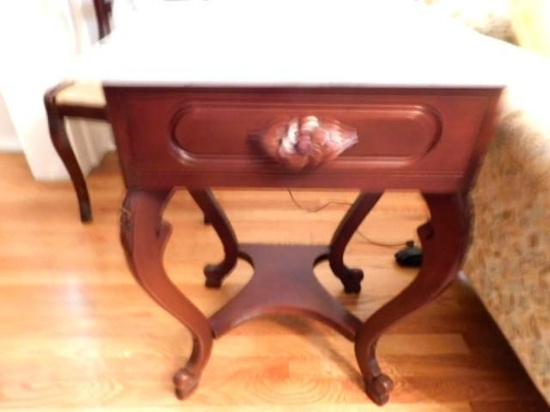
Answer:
(337, 202)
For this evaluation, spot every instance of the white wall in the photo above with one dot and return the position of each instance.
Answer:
(38, 38)
(8, 136)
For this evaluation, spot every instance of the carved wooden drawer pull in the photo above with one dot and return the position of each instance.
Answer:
(305, 142)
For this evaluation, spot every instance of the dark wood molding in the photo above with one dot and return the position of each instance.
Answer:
(103, 16)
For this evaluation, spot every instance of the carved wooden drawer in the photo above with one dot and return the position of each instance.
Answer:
(392, 138)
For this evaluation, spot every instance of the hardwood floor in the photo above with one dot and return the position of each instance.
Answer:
(77, 333)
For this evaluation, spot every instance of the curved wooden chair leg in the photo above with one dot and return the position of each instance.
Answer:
(144, 235)
(351, 278)
(215, 273)
(444, 240)
(60, 140)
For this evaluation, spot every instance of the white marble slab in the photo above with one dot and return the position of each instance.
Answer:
(349, 43)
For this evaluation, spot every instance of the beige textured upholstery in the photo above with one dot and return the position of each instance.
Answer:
(509, 260)
(82, 94)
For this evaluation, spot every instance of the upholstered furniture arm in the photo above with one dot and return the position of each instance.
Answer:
(509, 260)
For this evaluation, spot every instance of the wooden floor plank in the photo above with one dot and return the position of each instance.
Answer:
(77, 333)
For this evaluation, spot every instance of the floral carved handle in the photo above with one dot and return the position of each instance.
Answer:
(305, 142)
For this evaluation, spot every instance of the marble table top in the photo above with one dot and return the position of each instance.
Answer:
(296, 43)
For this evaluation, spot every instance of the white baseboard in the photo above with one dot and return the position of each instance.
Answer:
(10, 145)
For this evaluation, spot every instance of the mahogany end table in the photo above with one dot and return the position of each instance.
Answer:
(198, 138)
(213, 101)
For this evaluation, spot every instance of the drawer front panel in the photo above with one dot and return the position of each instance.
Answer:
(405, 138)
(206, 132)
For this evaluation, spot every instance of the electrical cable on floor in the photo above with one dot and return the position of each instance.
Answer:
(318, 208)
(337, 202)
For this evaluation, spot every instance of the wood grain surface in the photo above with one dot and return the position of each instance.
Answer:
(77, 333)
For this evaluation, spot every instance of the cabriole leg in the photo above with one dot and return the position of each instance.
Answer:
(214, 214)
(144, 235)
(351, 278)
(60, 140)
(444, 240)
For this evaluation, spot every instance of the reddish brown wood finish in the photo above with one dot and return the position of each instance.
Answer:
(144, 235)
(283, 282)
(196, 138)
(214, 215)
(444, 240)
(58, 134)
(57, 114)
(103, 16)
(433, 157)
(351, 278)
(305, 142)
(402, 131)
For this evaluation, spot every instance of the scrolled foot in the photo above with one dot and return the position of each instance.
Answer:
(214, 275)
(379, 388)
(185, 383)
(214, 215)
(351, 279)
